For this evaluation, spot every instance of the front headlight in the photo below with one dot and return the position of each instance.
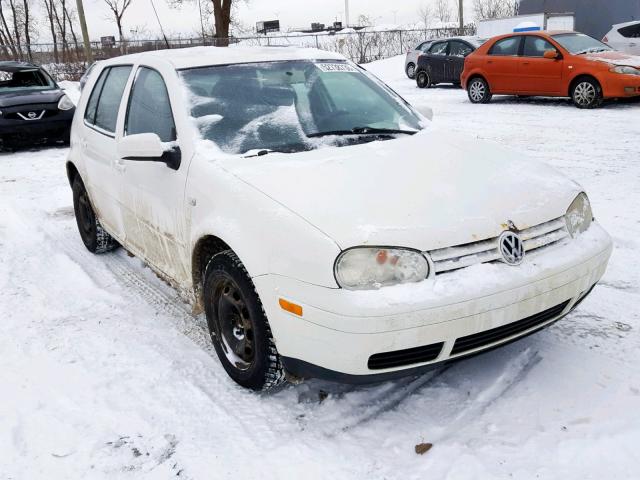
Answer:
(368, 268)
(625, 70)
(65, 103)
(579, 215)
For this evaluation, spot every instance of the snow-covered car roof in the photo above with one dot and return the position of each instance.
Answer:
(626, 24)
(204, 56)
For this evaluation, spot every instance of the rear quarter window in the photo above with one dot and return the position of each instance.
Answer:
(630, 31)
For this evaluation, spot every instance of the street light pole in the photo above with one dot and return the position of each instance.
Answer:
(85, 33)
(461, 16)
(346, 13)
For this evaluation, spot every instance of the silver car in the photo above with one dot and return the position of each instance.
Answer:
(412, 58)
(624, 37)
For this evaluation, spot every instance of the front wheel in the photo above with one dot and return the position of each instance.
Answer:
(93, 235)
(238, 325)
(586, 93)
(423, 80)
(478, 91)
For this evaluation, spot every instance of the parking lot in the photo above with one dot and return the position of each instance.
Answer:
(106, 374)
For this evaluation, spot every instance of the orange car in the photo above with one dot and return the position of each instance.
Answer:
(558, 64)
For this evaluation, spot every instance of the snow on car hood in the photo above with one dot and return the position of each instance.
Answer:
(427, 191)
(615, 58)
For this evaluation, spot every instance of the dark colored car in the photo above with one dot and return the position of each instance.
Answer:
(33, 108)
(443, 62)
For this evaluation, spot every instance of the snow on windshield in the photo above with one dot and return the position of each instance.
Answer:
(292, 106)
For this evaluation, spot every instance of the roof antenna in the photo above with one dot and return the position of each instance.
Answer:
(160, 25)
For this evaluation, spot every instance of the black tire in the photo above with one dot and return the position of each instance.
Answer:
(586, 93)
(93, 235)
(423, 79)
(478, 90)
(410, 70)
(238, 326)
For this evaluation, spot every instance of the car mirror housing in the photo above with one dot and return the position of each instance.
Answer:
(425, 111)
(147, 147)
(551, 54)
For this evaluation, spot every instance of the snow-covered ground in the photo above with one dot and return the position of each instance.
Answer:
(105, 374)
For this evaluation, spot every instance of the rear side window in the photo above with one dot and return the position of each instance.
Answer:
(536, 46)
(104, 102)
(149, 108)
(459, 49)
(438, 49)
(631, 31)
(506, 47)
(424, 47)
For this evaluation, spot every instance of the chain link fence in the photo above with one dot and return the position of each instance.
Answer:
(67, 61)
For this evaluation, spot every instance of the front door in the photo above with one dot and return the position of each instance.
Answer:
(97, 143)
(536, 74)
(153, 205)
(437, 61)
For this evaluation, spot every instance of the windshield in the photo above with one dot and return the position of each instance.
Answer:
(28, 79)
(578, 43)
(293, 106)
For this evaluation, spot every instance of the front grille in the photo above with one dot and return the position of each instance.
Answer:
(477, 340)
(534, 238)
(401, 358)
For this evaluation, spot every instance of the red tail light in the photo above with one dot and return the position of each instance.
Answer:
(605, 39)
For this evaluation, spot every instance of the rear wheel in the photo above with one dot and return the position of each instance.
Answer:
(478, 91)
(423, 79)
(586, 93)
(411, 70)
(238, 325)
(93, 235)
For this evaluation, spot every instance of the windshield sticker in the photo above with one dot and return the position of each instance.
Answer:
(337, 67)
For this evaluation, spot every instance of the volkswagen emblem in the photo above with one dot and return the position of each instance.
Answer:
(32, 114)
(511, 248)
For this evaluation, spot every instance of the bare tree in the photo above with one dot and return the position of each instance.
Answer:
(118, 9)
(486, 9)
(443, 10)
(425, 14)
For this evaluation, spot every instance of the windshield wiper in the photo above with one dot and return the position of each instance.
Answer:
(592, 50)
(362, 131)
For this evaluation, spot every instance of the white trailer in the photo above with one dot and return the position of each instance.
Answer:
(526, 23)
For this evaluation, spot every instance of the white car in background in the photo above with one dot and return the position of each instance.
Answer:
(325, 228)
(411, 61)
(624, 37)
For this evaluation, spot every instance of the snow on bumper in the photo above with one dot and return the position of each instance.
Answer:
(340, 330)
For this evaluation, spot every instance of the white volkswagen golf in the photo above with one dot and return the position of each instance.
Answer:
(325, 228)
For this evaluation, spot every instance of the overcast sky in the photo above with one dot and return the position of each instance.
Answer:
(291, 13)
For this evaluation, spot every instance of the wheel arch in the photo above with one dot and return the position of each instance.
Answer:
(475, 75)
(72, 172)
(203, 251)
(581, 76)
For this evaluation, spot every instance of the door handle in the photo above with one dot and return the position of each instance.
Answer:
(489, 61)
(119, 165)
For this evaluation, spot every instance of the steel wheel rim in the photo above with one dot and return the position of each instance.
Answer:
(233, 326)
(477, 91)
(411, 70)
(585, 93)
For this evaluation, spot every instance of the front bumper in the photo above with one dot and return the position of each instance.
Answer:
(340, 330)
(619, 86)
(17, 129)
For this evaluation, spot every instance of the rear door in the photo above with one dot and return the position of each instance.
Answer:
(536, 74)
(152, 194)
(502, 65)
(437, 61)
(458, 50)
(98, 145)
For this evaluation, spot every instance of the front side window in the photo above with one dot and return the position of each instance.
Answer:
(506, 47)
(24, 79)
(439, 49)
(291, 106)
(149, 109)
(459, 49)
(579, 43)
(104, 102)
(536, 46)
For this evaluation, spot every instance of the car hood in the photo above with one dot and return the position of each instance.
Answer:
(426, 191)
(615, 58)
(27, 97)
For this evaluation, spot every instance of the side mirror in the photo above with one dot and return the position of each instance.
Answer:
(147, 147)
(425, 111)
(551, 54)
